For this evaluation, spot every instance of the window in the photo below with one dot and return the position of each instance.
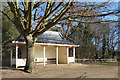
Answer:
(70, 52)
(19, 53)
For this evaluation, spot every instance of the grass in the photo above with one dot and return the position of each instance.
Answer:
(107, 63)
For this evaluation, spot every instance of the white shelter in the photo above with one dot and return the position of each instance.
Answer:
(50, 48)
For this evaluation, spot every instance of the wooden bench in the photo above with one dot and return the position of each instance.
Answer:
(47, 60)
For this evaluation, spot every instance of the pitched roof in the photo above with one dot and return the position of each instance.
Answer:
(49, 37)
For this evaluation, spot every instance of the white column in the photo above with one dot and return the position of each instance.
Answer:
(57, 55)
(16, 55)
(11, 55)
(44, 55)
(74, 53)
(67, 55)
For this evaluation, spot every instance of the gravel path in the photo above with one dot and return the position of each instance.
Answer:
(64, 71)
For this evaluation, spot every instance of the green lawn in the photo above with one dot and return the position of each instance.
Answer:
(107, 63)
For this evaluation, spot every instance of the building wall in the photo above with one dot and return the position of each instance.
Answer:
(38, 51)
(62, 55)
(50, 51)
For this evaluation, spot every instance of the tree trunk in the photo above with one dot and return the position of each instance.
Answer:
(104, 46)
(29, 54)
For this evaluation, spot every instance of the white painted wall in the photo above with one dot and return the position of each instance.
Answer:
(50, 51)
(38, 51)
(62, 55)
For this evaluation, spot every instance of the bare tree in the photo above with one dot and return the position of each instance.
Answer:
(44, 15)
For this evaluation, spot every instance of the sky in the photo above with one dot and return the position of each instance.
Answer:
(113, 6)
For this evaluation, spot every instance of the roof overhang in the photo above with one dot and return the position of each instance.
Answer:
(51, 44)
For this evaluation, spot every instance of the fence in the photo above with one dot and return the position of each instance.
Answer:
(94, 60)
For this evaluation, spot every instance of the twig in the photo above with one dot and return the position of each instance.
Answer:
(82, 76)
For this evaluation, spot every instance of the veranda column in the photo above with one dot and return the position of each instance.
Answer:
(11, 55)
(16, 55)
(74, 53)
(44, 55)
(56, 55)
(67, 55)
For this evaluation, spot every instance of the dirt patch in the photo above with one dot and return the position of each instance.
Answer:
(64, 71)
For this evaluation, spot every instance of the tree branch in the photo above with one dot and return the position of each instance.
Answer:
(110, 21)
(53, 10)
(12, 8)
(16, 21)
(50, 24)
(61, 12)
(37, 4)
(48, 6)
(35, 15)
(98, 7)
(30, 12)
(99, 15)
